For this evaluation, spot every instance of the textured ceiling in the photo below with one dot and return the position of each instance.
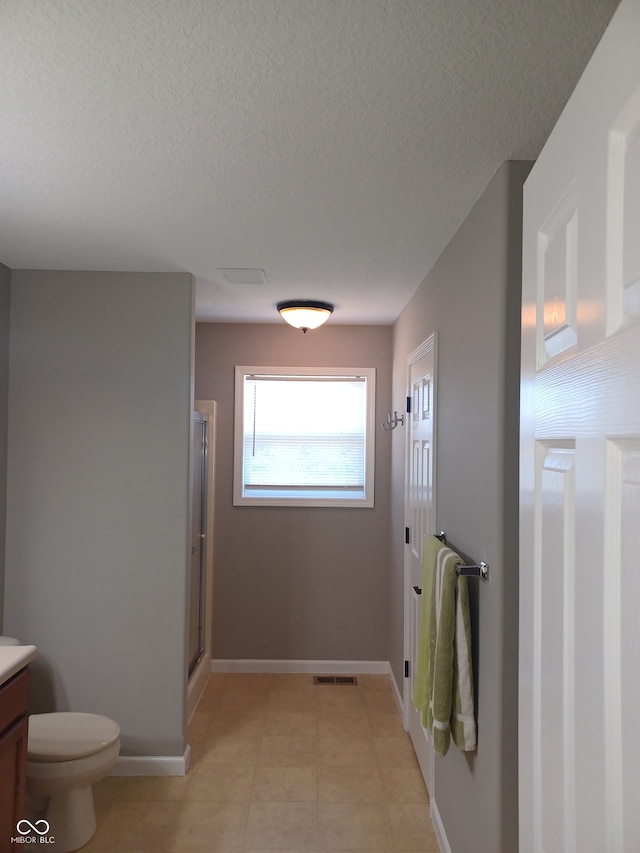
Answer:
(335, 144)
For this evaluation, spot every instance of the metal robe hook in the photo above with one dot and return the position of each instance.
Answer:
(392, 422)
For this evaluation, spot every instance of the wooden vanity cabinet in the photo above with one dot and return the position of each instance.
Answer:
(14, 727)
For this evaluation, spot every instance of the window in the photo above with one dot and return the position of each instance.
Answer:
(304, 436)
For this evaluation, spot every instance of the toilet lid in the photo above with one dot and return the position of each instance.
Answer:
(66, 735)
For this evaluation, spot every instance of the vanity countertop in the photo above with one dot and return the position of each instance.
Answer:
(13, 659)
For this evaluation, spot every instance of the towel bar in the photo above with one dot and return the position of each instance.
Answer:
(481, 571)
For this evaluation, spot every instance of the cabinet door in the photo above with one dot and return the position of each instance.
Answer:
(13, 764)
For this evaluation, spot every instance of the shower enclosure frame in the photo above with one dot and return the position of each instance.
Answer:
(198, 677)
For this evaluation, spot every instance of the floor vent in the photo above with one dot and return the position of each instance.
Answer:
(335, 679)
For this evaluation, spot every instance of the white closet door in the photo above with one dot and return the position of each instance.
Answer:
(420, 520)
(579, 755)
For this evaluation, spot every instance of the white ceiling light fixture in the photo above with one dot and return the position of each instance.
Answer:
(305, 314)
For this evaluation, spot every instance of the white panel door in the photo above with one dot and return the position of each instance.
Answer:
(420, 520)
(579, 753)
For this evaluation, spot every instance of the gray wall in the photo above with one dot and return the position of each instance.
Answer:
(5, 292)
(297, 583)
(100, 396)
(472, 298)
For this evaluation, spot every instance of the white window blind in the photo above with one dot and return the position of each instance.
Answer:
(304, 437)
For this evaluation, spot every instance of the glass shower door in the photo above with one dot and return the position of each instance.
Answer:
(198, 540)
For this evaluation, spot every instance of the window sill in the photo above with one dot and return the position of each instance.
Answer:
(339, 498)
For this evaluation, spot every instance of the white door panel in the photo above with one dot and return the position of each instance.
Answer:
(579, 753)
(554, 744)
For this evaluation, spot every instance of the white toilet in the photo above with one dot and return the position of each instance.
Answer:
(68, 753)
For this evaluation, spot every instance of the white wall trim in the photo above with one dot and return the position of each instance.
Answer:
(441, 835)
(328, 667)
(152, 765)
(397, 694)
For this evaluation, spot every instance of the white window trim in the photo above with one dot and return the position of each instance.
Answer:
(313, 500)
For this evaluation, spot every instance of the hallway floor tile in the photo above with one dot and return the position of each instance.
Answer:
(279, 765)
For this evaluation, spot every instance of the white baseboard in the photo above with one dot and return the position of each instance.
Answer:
(441, 835)
(152, 765)
(315, 667)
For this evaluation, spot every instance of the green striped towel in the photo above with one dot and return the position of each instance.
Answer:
(422, 682)
(443, 688)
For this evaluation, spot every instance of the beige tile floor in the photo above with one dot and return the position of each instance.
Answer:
(278, 764)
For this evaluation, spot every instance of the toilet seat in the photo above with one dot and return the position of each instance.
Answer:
(69, 735)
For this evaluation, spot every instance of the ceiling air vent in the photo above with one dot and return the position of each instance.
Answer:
(335, 679)
(238, 276)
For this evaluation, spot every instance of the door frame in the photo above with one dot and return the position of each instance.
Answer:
(429, 344)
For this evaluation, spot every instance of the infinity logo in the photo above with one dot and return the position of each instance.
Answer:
(32, 827)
